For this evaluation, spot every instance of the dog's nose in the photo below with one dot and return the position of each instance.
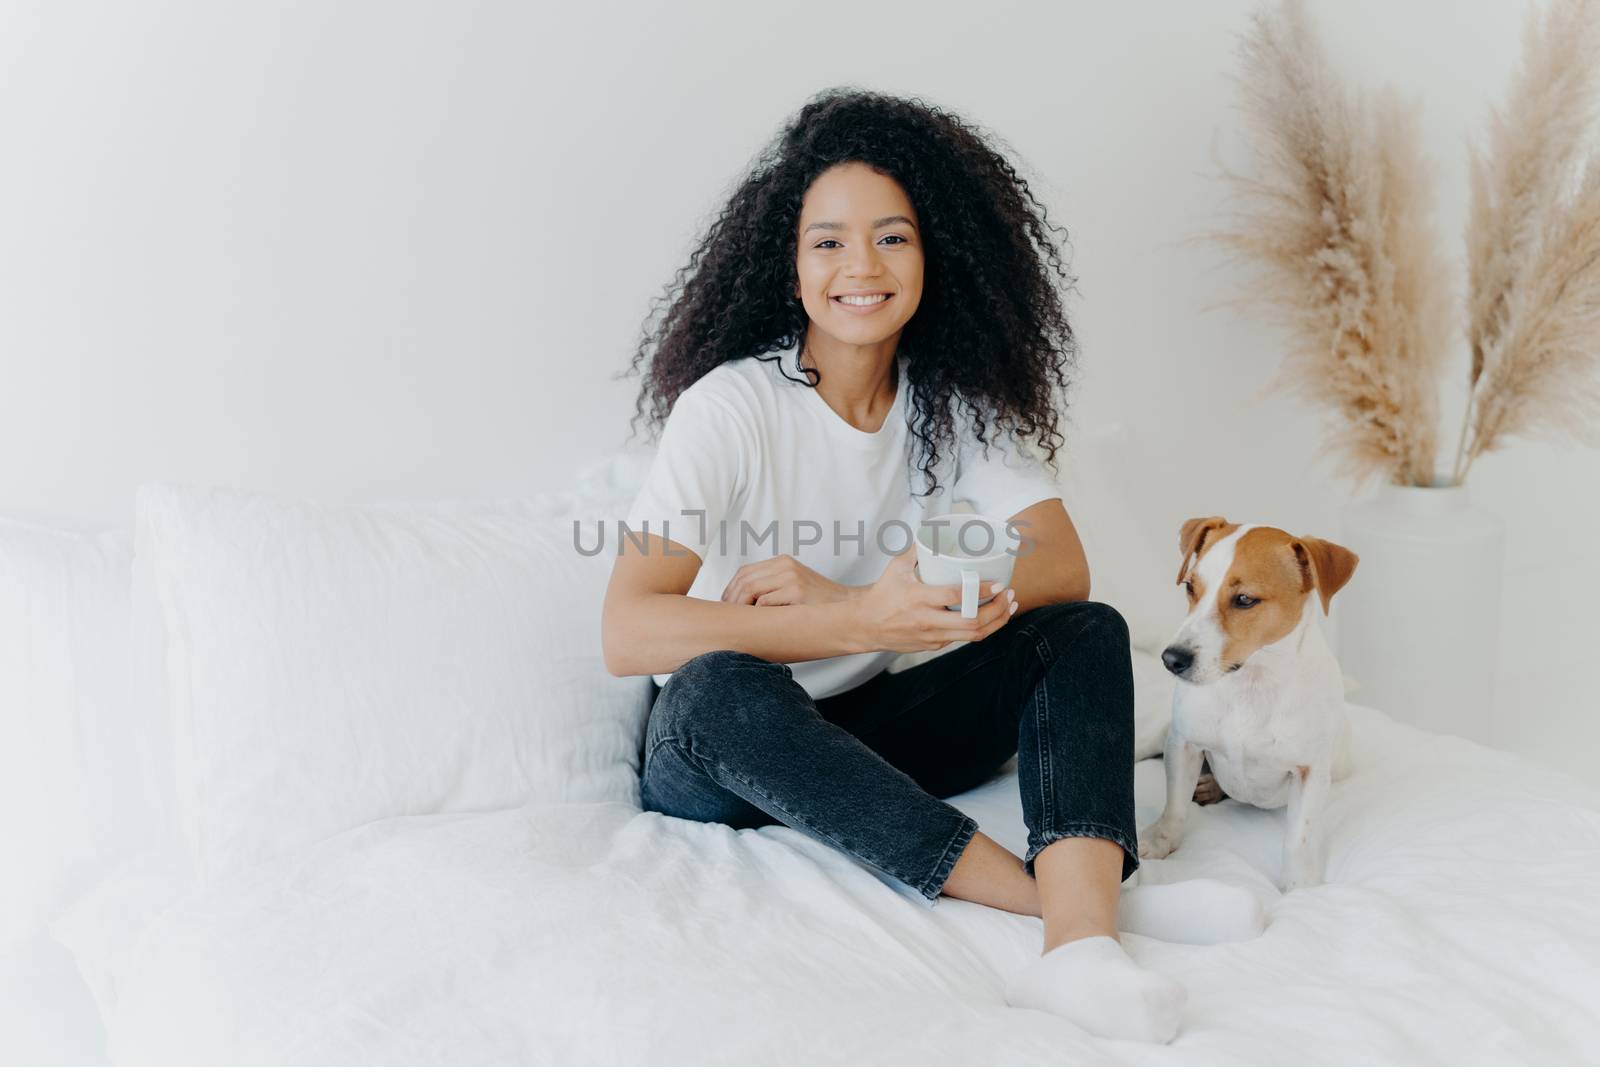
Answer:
(1177, 659)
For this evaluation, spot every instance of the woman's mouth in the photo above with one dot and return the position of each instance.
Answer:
(862, 305)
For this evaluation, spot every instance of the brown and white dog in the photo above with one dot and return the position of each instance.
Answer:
(1259, 695)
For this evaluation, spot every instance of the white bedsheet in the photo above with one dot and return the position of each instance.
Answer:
(1460, 924)
(47, 1016)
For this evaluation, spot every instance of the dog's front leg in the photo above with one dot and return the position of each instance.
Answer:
(1302, 845)
(1182, 761)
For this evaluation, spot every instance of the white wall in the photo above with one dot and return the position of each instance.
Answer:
(377, 249)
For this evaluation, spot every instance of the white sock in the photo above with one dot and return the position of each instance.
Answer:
(1094, 983)
(1199, 911)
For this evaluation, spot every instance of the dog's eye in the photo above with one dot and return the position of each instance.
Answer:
(1243, 601)
(1188, 587)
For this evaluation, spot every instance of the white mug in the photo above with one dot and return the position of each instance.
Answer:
(964, 550)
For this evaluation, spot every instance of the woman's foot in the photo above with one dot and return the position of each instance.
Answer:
(1092, 982)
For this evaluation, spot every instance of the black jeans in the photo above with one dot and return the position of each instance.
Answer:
(733, 738)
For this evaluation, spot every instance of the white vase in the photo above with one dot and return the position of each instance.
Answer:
(1418, 626)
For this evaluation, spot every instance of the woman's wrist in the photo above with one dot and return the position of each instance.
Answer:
(853, 623)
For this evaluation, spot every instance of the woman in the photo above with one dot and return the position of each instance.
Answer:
(878, 280)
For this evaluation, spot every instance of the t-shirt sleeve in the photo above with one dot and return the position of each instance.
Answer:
(697, 469)
(1009, 479)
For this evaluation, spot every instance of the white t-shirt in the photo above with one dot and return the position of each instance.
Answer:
(777, 471)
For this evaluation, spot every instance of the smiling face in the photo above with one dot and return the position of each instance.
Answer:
(858, 234)
(1247, 588)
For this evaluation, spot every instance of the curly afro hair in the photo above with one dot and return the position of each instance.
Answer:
(990, 328)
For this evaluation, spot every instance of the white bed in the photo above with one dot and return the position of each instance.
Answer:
(1459, 925)
(47, 1014)
(297, 919)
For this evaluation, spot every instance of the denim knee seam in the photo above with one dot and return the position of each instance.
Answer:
(1041, 703)
(1086, 828)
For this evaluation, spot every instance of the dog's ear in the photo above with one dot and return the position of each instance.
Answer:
(1323, 564)
(1192, 538)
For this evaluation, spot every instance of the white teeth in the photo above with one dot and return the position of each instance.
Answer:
(863, 301)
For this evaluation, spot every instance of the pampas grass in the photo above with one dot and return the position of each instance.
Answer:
(1533, 247)
(1339, 222)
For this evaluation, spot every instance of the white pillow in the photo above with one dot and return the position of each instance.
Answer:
(73, 798)
(330, 666)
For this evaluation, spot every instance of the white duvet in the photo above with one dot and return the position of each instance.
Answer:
(1460, 924)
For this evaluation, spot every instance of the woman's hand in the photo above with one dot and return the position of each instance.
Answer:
(901, 614)
(784, 580)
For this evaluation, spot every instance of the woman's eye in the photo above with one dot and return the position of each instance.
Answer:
(831, 241)
(1188, 587)
(1244, 601)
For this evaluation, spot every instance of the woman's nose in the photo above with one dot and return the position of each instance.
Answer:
(864, 263)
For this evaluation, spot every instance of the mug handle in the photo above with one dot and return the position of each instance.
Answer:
(969, 594)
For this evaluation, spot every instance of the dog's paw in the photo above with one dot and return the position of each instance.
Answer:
(1207, 791)
(1157, 841)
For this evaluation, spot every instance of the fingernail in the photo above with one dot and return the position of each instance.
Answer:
(1011, 595)
(1013, 607)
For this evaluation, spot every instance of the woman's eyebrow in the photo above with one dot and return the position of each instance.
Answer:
(875, 224)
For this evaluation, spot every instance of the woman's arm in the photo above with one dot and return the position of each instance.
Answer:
(1051, 567)
(648, 624)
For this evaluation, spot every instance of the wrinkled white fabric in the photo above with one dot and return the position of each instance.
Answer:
(71, 798)
(1459, 924)
(1195, 911)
